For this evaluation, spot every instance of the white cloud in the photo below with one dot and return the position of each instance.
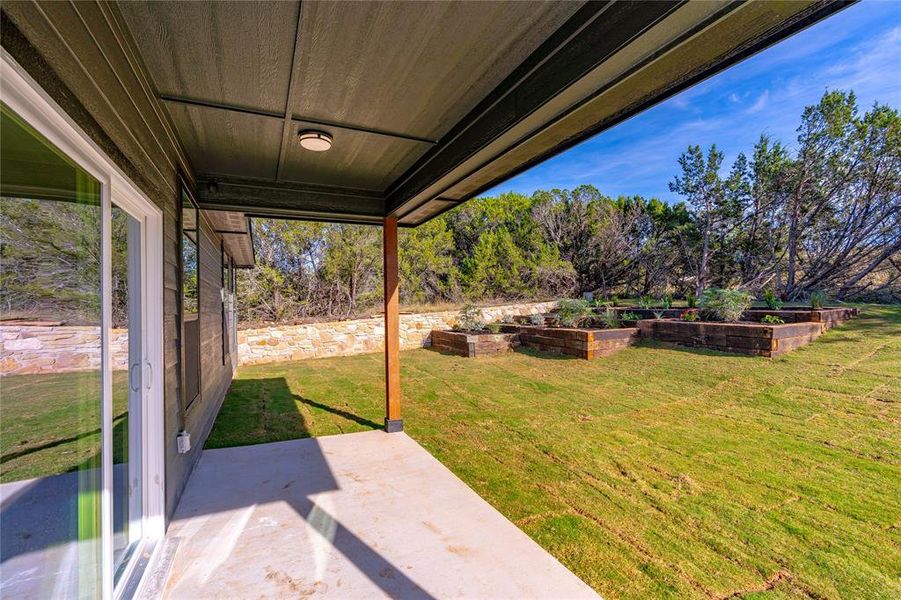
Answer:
(760, 103)
(873, 70)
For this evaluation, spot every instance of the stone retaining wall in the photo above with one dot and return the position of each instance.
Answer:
(33, 349)
(345, 338)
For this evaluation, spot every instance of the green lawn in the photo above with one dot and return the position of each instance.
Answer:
(656, 472)
(51, 423)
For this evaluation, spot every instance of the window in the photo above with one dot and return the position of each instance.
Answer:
(189, 256)
(190, 306)
(226, 300)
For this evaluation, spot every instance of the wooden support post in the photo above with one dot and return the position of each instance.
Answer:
(393, 421)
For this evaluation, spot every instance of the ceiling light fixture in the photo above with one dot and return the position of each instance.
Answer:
(317, 141)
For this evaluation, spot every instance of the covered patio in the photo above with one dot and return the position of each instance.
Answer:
(198, 116)
(360, 515)
(427, 108)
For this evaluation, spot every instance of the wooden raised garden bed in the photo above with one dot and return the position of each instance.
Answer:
(471, 344)
(582, 343)
(828, 317)
(757, 339)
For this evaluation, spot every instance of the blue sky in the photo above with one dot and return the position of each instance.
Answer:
(859, 48)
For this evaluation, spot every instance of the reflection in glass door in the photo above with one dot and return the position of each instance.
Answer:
(50, 375)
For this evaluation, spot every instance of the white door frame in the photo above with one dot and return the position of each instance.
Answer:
(25, 97)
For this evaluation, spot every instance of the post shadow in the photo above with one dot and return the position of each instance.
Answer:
(263, 410)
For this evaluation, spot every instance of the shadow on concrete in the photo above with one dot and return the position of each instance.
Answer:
(248, 471)
(292, 472)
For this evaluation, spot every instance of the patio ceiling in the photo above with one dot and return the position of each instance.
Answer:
(428, 104)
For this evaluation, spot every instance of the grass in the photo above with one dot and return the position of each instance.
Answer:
(657, 472)
(51, 423)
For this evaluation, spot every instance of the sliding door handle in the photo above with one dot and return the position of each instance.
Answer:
(149, 377)
(133, 377)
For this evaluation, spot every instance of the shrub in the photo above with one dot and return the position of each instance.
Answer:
(537, 320)
(610, 319)
(772, 320)
(665, 302)
(691, 300)
(725, 305)
(645, 302)
(507, 319)
(630, 316)
(494, 327)
(771, 300)
(571, 313)
(818, 299)
(614, 300)
(689, 315)
(470, 318)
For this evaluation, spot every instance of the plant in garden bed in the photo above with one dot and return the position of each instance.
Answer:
(689, 315)
(645, 302)
(818, 299)
(610, 319)
(494, 327)
(724, 305)
(537, 320)
(691, 301)
(470, 319)
(630, 316)
(772, 320)
(571, 313)
(658, 314)
(771, 300)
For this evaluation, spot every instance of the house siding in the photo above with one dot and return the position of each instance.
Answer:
(97, 77)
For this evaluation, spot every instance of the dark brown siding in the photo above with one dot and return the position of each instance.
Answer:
(80, 54)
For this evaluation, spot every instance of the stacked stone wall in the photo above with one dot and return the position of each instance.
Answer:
(34, 349)
(359, 336)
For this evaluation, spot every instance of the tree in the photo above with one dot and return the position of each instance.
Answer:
(703, 188)
(352, 267)
(497, 267)
(427, 269)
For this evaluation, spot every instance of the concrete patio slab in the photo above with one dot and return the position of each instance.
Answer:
(361, 515)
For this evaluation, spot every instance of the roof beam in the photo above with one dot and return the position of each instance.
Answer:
(289, 200)
(593, 34)
(287, 128)
(294, 118)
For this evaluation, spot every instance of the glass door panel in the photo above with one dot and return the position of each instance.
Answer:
(127, 360)
(50, 369)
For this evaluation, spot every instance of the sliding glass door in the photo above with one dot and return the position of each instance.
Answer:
(51, 396)
(75, 373)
